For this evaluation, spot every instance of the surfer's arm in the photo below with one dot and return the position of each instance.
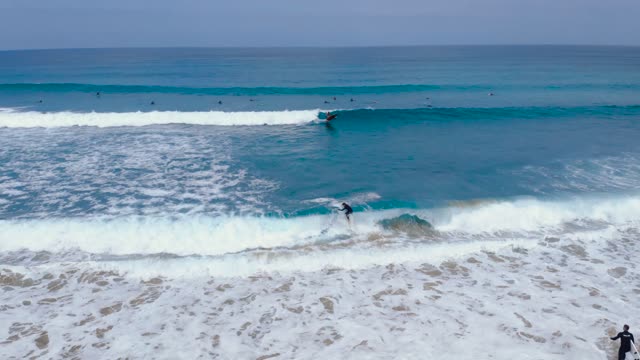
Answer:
(616, 338)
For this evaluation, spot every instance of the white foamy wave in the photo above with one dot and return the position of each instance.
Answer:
(13, 119)
(525, 215)
(8, 110)
(151, 235)
(217, 236)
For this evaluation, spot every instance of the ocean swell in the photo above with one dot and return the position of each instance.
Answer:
(12, 118)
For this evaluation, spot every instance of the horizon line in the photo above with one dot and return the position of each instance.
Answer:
(316, 47)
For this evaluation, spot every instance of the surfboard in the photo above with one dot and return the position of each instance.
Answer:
(634, 351)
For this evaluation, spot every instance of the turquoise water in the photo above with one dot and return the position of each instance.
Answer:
(417, 128)
(190, 209)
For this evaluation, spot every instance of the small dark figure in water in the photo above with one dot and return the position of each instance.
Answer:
(219, 102)
(334, 98)
(347, 211)
(326, 102)
(626, 338)
(491, 94)
(153, 102)
(40, 101)
(352, 100)
(251, 100)
(98, 94)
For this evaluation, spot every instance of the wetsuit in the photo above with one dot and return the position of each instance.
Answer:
(348, 210)
(625, 343)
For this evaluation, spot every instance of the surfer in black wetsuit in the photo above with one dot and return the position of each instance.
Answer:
(625, 342)
(330, 116)
(348, 211)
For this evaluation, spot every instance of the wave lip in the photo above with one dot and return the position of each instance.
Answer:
(30, 119)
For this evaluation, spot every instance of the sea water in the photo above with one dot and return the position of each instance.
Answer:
(183, 203)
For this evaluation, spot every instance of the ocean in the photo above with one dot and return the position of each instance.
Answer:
(183, 203)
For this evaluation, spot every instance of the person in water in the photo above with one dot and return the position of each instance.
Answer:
(347, 211)
(626, 338)
(330, 116)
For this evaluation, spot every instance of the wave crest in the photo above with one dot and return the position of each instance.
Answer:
(12, 119)
(214, 236)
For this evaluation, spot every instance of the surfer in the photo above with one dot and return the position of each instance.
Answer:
(330, 116)
(347, 211)
(626, 338)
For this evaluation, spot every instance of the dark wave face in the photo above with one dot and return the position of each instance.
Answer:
(490, 114)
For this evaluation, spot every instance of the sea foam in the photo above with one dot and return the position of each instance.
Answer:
(17, 119)
(310, 235)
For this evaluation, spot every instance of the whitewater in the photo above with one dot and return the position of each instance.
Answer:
(13, 119)
(184, 203)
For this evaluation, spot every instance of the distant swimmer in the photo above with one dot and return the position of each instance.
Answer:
(153, 103)
(491, 94)
(40, 101)
(219, 102)
(348, 211)
(352, 100)
(331, 116)
(626, 338)
(334, 98)
(98, 94)
(326, 102)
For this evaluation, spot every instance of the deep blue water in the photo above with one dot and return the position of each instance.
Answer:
(417, 128)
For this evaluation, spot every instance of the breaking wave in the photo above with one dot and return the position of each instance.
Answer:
(13, 119)
(216, 236)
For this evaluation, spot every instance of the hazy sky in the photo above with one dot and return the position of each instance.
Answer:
(121, 23)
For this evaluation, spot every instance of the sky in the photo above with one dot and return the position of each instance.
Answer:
(37, 24)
